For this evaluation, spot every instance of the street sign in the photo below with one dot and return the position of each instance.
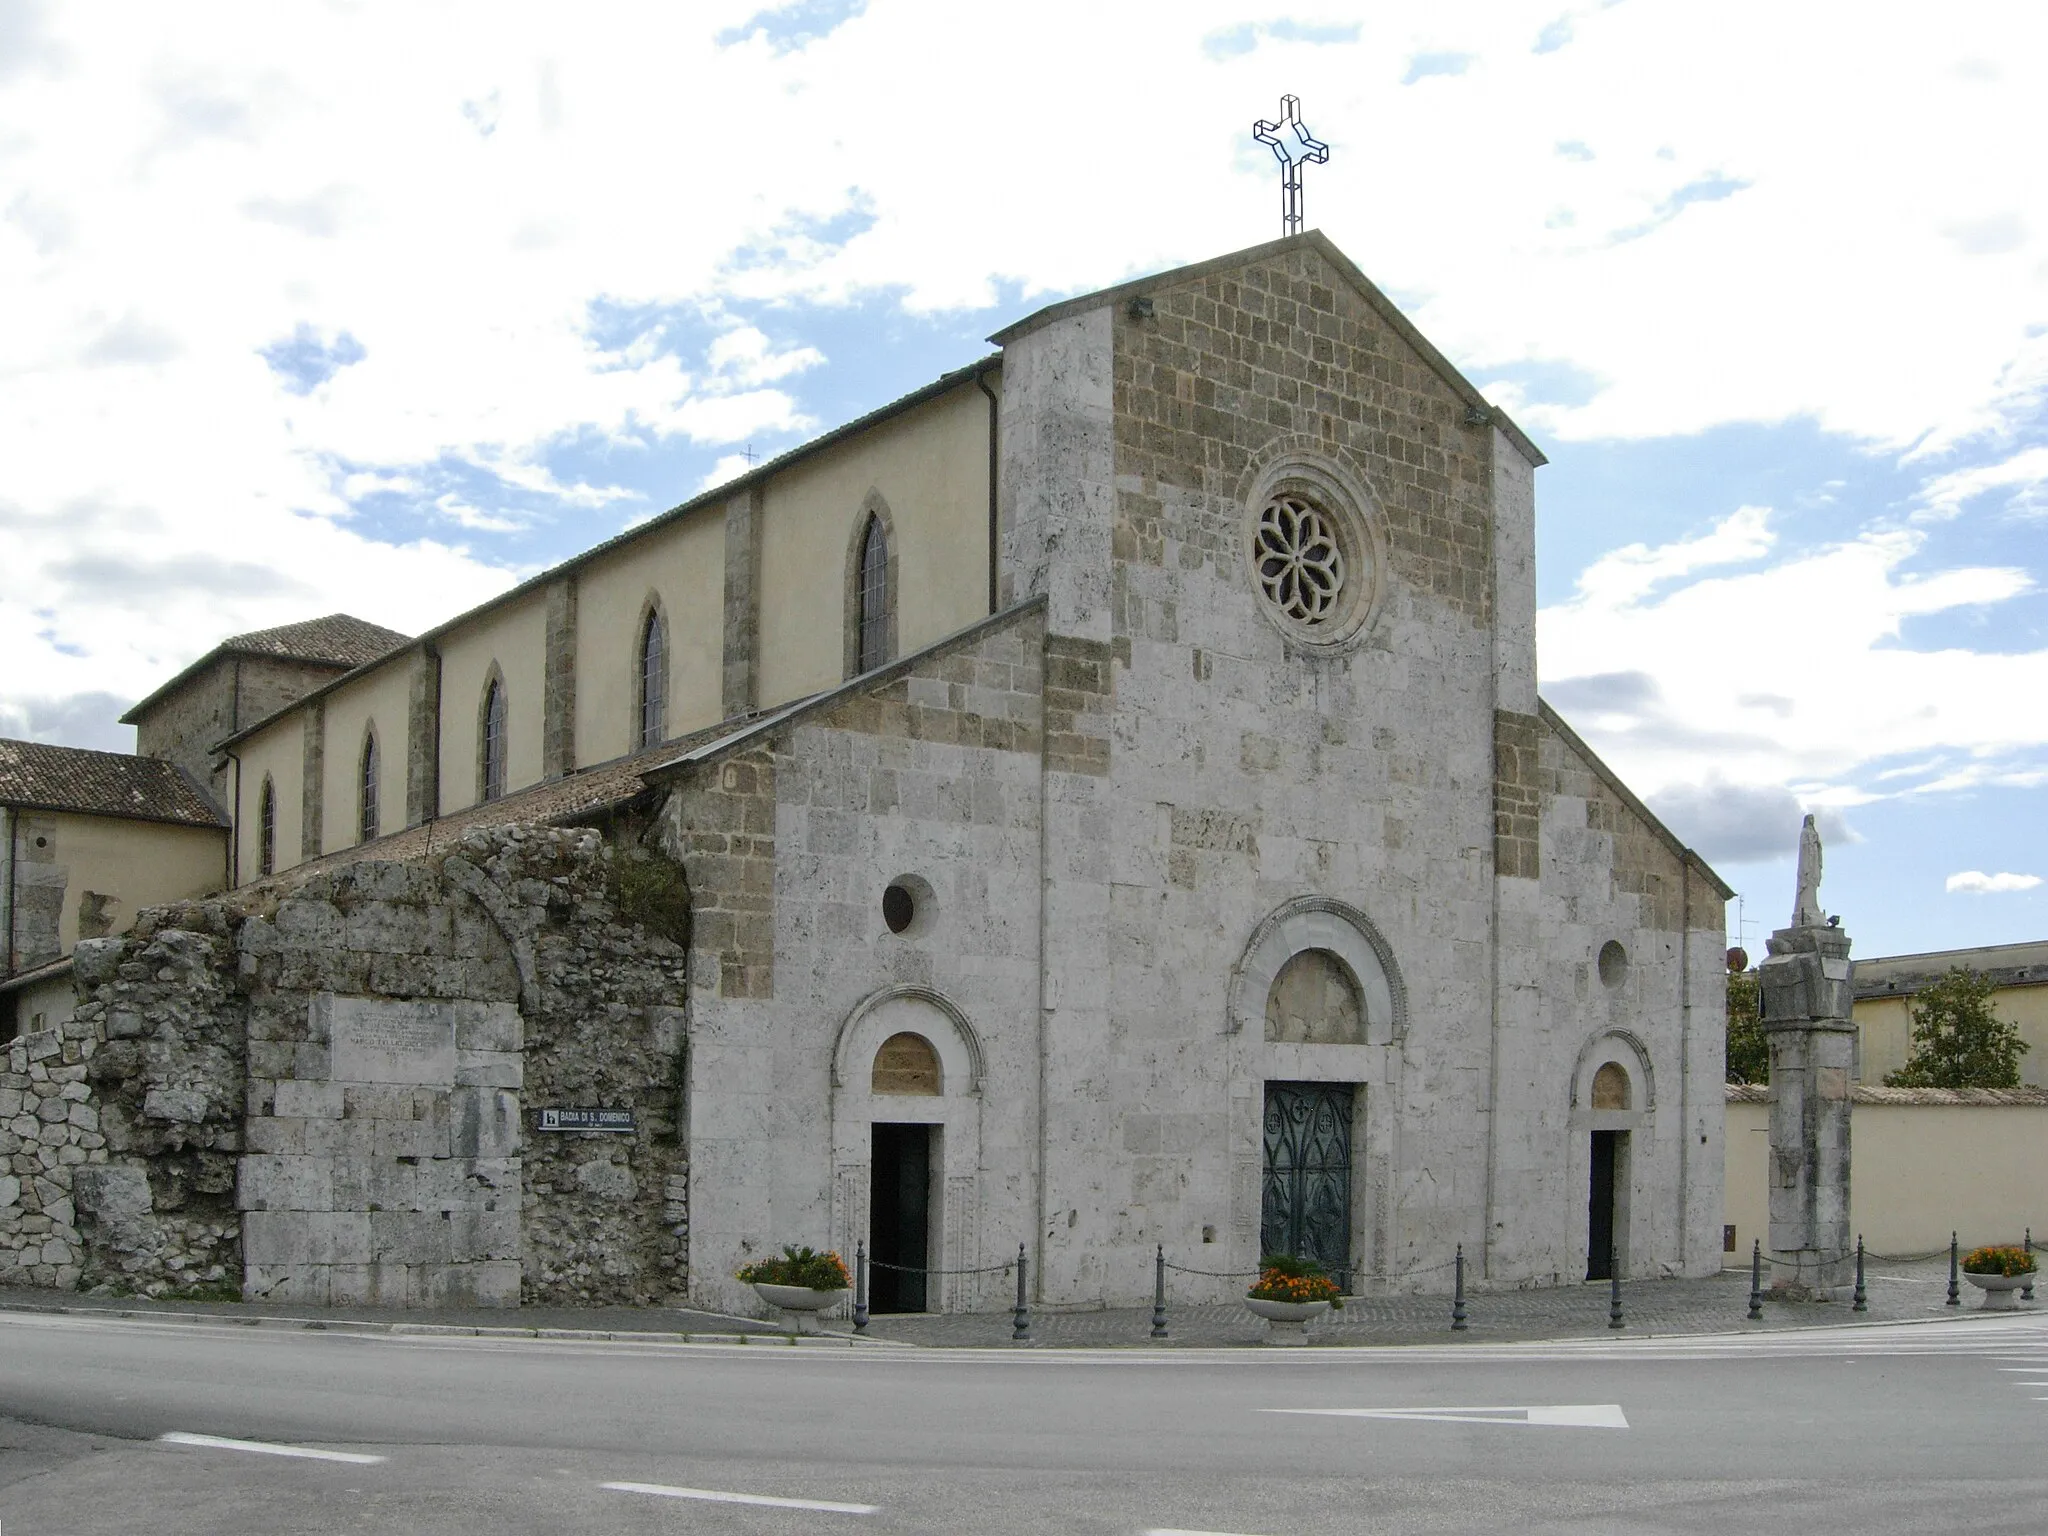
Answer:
(584, 1120)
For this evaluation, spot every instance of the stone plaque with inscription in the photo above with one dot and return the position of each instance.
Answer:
(382, 1040)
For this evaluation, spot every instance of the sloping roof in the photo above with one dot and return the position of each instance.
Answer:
(340, 640)
(37, 776)
(718, 495)
(49, 970)
(1346, 268)
(1871, 1093)
(2003, 965)
(1627, 796)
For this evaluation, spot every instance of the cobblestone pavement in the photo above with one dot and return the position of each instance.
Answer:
(1896, 1293)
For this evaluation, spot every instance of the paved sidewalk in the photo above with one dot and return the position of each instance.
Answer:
(1897, 1293)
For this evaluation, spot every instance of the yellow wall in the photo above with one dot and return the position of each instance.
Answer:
(46, 1004)
(278, 750)
(385, 697)
(682, 564)
(931, 466)
(514, 636)
(1885, 1033)
(139, 863)
(1917, 1172)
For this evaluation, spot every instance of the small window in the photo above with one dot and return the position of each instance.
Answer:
(1610, 1087)
(266, 829)
(653, 682)
(366, 822)
(874, 596)
(906, 1064)
(491, 764)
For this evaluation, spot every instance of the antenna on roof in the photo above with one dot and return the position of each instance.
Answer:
(1292, 147)
(748, 453)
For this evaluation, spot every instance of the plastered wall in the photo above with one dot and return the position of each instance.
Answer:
(513, 636)
(1885, 1032)
(94, 873)
(930, 465)
(276, 752)
(682, 566)
(381, 698)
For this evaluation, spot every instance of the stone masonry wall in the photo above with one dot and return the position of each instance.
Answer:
(314, 1093)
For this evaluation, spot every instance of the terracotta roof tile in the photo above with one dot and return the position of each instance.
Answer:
(35, 774)
(341, 638)
(1872, 1093)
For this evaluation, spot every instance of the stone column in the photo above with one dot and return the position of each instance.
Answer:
(1804, 999)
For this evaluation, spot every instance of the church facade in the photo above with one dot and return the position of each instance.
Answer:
(1113, 808)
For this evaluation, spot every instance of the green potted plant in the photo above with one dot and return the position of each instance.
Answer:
(800, 1282)
(1290, 1294)
(1999, 1272)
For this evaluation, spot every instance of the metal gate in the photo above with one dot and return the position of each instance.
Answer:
(1306, 1206)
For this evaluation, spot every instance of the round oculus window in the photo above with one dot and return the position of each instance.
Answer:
(1300, 563)
(1314, 551)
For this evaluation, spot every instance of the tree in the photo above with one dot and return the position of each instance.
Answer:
(1958, 1042)
(1749, 1052)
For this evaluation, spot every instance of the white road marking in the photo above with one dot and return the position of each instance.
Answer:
(264, 1448)
(1174, 1530)
(713, 1496)
(1556, 1416)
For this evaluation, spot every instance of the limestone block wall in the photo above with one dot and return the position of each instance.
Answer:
(927, 774)
(49, 1130)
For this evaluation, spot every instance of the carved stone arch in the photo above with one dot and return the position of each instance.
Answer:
(651, 606)
(1325, 923)
(1336, 483)
(960, 1057)
(479, 887)
(494, 677)
(873, 507)
(1626, 1050)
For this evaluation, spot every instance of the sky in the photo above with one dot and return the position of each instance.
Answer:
(381, 308)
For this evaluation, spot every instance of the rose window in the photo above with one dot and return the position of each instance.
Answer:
(1300, 566)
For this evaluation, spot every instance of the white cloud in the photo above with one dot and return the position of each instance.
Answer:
(1976, 882)
(455, 188)
(2024, 473)
(1794, 674)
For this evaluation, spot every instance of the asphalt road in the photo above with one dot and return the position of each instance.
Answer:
(1920, 1428)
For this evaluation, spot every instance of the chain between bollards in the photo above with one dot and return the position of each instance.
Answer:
(2027, 1290)
(1159, 1293)
(1955, 1294)
(1862, 1299)
(1756, 1280)
(1458, 1324)
(1020, 1321)
(1614, 1319)
(860, 1287)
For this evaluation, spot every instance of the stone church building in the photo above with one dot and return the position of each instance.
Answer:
(1099, 800)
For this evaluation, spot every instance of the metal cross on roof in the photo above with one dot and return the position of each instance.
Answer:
(1292, 147)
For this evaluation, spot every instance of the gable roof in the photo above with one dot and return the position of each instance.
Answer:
(340, 640)
(1345, 267)
(37, 776)
(1627, 796)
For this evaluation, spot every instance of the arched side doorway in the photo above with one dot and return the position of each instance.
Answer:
(1613, 1093)
(906, 1148)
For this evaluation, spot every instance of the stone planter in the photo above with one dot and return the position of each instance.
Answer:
(1286, 1321)
(798, 1303)
(2001, 1292)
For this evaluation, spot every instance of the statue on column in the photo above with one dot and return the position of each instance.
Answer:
(1806, 912)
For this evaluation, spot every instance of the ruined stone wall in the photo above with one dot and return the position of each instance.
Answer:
(315, 1094)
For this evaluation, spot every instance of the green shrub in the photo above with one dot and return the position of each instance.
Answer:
(799, 1266)
(1998, 1261)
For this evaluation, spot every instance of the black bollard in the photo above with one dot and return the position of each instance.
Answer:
(1159, 1293)
(2027, 1290)
(1955, 1294)
(1614, 1292)
(1458, 1296)
(1020, 1321)
(1756, 1280)
(1862, 1300)
(860, 1287)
